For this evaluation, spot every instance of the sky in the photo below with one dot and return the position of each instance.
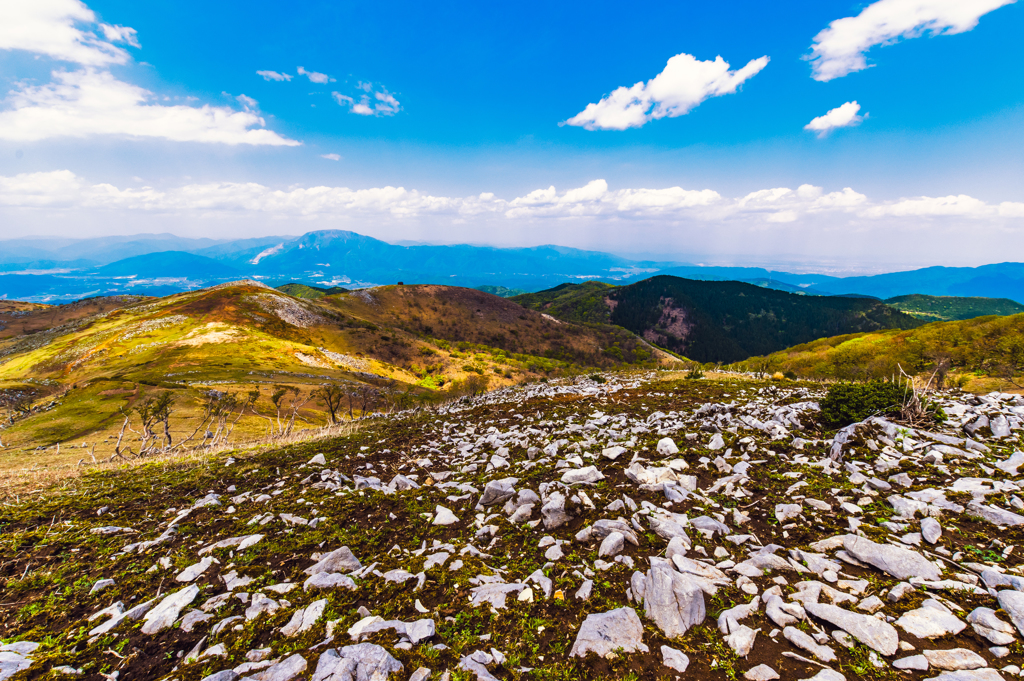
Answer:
(833, 136)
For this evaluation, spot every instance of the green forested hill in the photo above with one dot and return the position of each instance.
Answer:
(951, 308)
(715, 321)
(580, 303)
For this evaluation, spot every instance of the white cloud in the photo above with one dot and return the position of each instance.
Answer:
(591, 204)
(274, 75)
(56, 188)
(87, 102)
(840, 117)
(315, 77)
(90, 100)
(382, 103)
(331, 157)
(927, 206)
(248, 103)
(120, 34)
(51, 28)
(839, 49)
(682, 85)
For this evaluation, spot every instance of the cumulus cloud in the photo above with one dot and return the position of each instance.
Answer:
(682, 85)
(840, 49)
(52, 28)
(373, 103)
(331, 157)
(88, 102)
(840, 117)
(593, 201)
(91, 100)
(315, 77)
(274, 75)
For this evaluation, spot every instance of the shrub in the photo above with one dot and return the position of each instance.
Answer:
(597, 378)
(695, 373)
(791, 375)
(848, 403)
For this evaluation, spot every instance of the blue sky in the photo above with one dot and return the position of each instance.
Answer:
(474, 110)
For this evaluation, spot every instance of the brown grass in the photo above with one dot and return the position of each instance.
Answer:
(38, 479)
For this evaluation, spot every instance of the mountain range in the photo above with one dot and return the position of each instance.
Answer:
(161, 264)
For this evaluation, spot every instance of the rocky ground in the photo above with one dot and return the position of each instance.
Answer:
(634, 528)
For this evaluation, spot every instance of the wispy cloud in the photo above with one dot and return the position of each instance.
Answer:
(682, 85)
(840, 117)
(90, 100)
(314, 77)
(840, 49)
(331, 157)
(274, 75)
(373, 103)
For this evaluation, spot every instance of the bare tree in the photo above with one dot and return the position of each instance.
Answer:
(368, 396)
(331, 395)
(17, 403)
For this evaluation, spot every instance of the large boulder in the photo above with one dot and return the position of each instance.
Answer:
(604, 633)
(498, 491)
(872, 632)
(340, 560)
(900, 563)
(675, 602)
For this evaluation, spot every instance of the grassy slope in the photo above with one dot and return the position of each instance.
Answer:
(463, 315)
(985, 347)
(715, 321)
(309, 292)
(85, 372)
(19, 319)
(951, 308)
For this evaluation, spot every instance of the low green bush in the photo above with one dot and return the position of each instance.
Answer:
(848, 403)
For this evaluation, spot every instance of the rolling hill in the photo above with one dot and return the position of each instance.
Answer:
(715, 321)
(20, 319)
(66, 376)
(951, 308)
(309, 292)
